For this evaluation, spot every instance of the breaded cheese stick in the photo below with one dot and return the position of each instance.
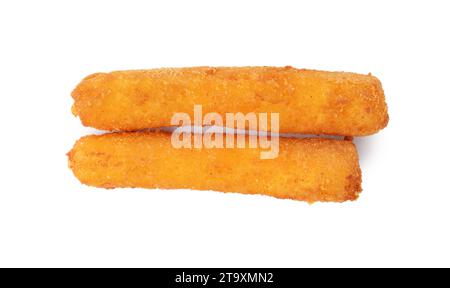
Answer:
(306, 169)
(312, 102)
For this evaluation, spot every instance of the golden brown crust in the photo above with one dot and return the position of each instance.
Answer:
(312, 102)
(306, 169)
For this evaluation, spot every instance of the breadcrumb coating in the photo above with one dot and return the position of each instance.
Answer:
(308, 101)
(306, 169)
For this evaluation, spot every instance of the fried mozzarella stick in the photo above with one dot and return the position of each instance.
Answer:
(312, 102)
(305, 169)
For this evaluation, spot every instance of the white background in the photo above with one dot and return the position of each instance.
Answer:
(47, 218)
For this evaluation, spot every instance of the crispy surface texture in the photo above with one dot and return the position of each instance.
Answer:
(312, 102)
(306, 169)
